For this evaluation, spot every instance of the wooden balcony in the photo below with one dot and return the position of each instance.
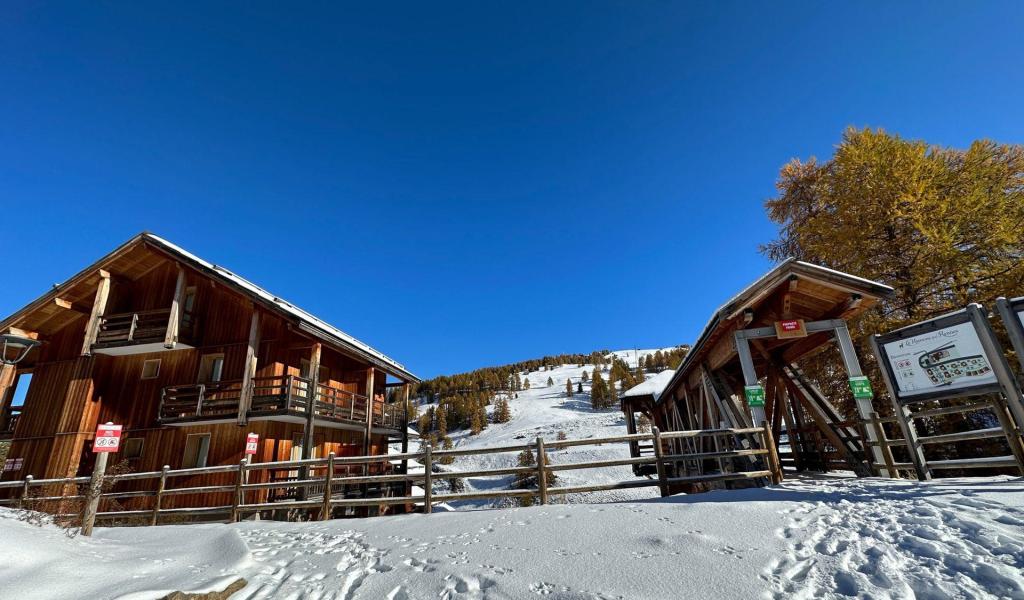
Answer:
(9, 423)
(284, 398)
(134, 333)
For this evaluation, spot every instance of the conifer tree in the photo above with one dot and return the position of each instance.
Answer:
(568, 387)
(526, 383)
(551, 382)
(598, 391)
(579, 387)
(475, 426)
(502, 411)
(442, 422)
(446, 444)
(585, 377)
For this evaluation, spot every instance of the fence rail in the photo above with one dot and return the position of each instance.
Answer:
(366, 481)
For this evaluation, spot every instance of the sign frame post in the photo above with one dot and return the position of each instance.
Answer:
(1012, 313)
(1001, 383)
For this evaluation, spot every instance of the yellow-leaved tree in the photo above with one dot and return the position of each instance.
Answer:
(943, 226)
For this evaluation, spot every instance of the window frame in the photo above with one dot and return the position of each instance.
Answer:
(202, 452)
(142, 447)
(150, 361)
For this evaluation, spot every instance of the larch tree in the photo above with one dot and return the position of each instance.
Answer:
(940, 225)
(568, 387)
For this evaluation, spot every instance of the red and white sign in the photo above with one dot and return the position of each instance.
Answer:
(791, 328)
(251, 442)
(108, 438)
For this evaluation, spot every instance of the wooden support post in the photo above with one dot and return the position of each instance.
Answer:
(428, 479)
(542, 469)
(22, 502)
(239, 495)
(158, 499)
(325, 511)
(876, 425)
(249, 369)
(369, 410)
(99, 305)
(773, 456)
(174, 319)
(405, 427)
(94, 493)
(312, 391)
(660, 463)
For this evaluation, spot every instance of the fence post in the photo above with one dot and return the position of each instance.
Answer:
(542, 478)
(239, 490)
(325, 512)
(93, 494)
(427, 480)
(773, 455)
(883, 443)
(659, 463)
(160, 486)
(24, 491)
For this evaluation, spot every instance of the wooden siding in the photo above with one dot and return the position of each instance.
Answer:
(69, 393)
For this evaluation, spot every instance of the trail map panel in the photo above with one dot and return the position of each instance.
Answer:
(950, 358)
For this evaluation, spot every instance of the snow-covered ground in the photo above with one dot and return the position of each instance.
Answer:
(546, 411)
(807, 538)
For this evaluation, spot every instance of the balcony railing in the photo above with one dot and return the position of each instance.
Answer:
(286, 395)
(128, 329)
(10, 422)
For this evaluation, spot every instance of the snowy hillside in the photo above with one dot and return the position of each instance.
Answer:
(547, 411)
(807, 538)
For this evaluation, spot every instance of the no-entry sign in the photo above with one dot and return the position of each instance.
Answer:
(108, 438)
(251, 442)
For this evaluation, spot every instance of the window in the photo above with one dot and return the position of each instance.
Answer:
(133, 448)
(151, 368)
(211, 367)
(188, 305)
(197, 448)
(324, 372)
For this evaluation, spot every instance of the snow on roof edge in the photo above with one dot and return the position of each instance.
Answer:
(279, 302)
(654, 386)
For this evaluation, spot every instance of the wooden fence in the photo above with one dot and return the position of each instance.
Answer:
(327, 484)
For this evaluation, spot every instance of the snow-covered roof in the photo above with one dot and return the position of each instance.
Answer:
(316, 324)
(307, 322)
(750, 293)
(653, 386)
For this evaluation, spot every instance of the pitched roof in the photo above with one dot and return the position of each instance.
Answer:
(306, 321)
(653, 386)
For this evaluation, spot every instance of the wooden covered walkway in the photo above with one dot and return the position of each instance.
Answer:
(743, 371)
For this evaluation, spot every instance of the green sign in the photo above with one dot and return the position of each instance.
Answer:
(755, 395)
(861, 388)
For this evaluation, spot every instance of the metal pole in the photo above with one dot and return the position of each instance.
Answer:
(749, 374)
(1014, 327)
(864, 405)
(905, 420)
(1007, 383)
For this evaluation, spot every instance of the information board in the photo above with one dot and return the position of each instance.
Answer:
(949, 358)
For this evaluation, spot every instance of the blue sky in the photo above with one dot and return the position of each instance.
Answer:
(466, 184)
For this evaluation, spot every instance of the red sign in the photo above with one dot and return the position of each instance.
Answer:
(251, 441)
(108, 438)
(790, 328)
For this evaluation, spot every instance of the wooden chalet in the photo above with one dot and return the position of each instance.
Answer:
(756, 340)
(189, 358)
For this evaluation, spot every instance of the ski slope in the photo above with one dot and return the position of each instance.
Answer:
(546, 411)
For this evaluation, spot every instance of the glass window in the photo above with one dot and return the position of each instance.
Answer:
(197, 448)
(151, 368)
